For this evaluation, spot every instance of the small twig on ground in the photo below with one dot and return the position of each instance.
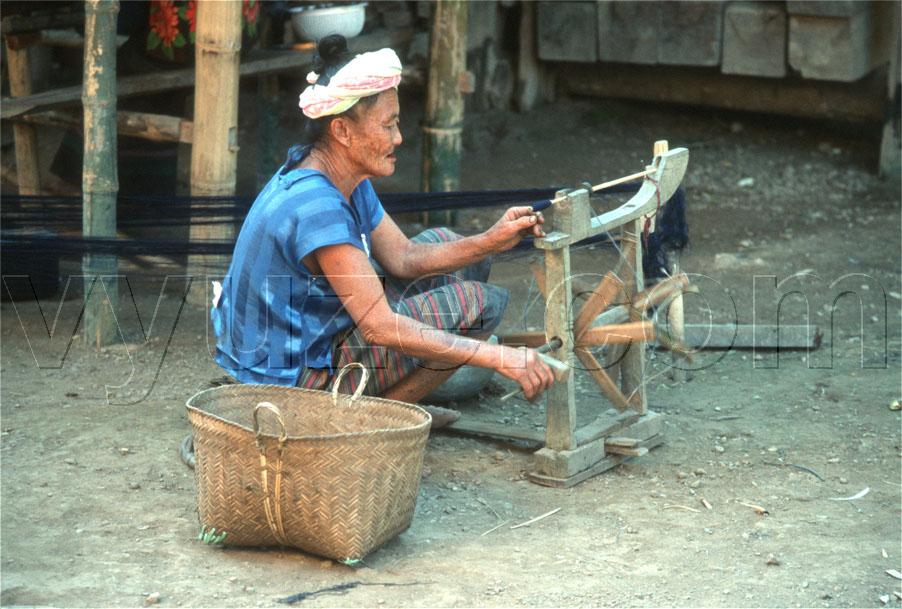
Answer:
(495, 528)
(486, 504)
(800, 467)
(339, 589)
(674, 506)
(536, 519)
(758, 509)
(857, 495)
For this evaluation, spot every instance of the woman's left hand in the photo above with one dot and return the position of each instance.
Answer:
(513, 226)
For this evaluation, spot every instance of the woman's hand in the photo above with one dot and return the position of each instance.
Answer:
(524, 366)
(513, 226)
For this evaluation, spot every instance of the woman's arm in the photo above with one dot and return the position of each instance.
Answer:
(404, 259)
(352, 278)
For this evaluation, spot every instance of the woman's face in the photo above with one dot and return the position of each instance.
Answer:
(375, 133)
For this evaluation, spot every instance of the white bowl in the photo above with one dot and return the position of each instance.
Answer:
(313, 24)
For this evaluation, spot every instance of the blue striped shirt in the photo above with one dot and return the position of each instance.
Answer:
(274, 318)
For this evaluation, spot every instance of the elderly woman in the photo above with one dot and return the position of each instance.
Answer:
(321, 276)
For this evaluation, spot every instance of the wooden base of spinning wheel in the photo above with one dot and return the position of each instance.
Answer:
(628, 435)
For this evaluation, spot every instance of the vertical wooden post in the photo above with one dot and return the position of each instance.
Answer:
(214, 152)
(632, 365)
(24, 135)
(269, 155)
(100, 182)
(529, 71)
(890, 152)
(675, 322)
(444, 99)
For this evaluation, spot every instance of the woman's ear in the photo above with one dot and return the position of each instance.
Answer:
(341, 129)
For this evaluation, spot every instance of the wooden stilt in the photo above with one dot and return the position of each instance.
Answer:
(214, 154)
(444, 99)
(100, 183)
(25, 136)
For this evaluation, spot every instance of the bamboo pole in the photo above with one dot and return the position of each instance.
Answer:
(24, 136)
(100, 182)
(444, 99)
(214, 153)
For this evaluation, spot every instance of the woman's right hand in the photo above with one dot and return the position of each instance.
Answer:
(524, 366)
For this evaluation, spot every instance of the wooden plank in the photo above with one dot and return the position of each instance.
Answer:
(862, 102)
(561, 398)
(567, 31)
(628, 31)
(689, 33)
(631, 451)
(269, 62)
(754, 39)
(466, 425)
(606, 424)
(748, 336)
(25, 136)
(830, 48)
(621, 441)
(607, 386)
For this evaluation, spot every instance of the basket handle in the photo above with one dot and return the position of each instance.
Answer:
(283, 434)
(341, 373)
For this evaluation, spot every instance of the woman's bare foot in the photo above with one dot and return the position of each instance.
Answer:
(441, 416)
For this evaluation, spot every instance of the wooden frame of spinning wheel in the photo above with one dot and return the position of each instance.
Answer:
(572, 454)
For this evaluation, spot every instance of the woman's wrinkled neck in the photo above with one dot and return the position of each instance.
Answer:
(334, 166)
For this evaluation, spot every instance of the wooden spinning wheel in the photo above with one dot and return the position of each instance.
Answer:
(613, 314)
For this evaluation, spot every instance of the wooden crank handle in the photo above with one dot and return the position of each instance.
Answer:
(559, 368)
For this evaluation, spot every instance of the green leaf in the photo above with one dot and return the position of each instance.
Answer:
(153, 41)
(183, 12)
(167, 51)
(179, 40)
(191, 37)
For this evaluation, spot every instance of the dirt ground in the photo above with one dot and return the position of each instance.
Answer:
(98, 509)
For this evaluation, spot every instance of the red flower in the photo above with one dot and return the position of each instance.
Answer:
(251, 10)
(164, 21)
(191, 15)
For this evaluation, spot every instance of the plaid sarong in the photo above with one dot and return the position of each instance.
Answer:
(461, 303)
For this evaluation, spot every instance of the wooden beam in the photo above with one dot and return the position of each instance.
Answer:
(269, 62)
(862, 101)
(747, 336)
(152, 127)
(50, 19)
(25, 136)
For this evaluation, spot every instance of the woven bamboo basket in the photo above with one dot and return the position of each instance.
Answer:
(333, 475)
